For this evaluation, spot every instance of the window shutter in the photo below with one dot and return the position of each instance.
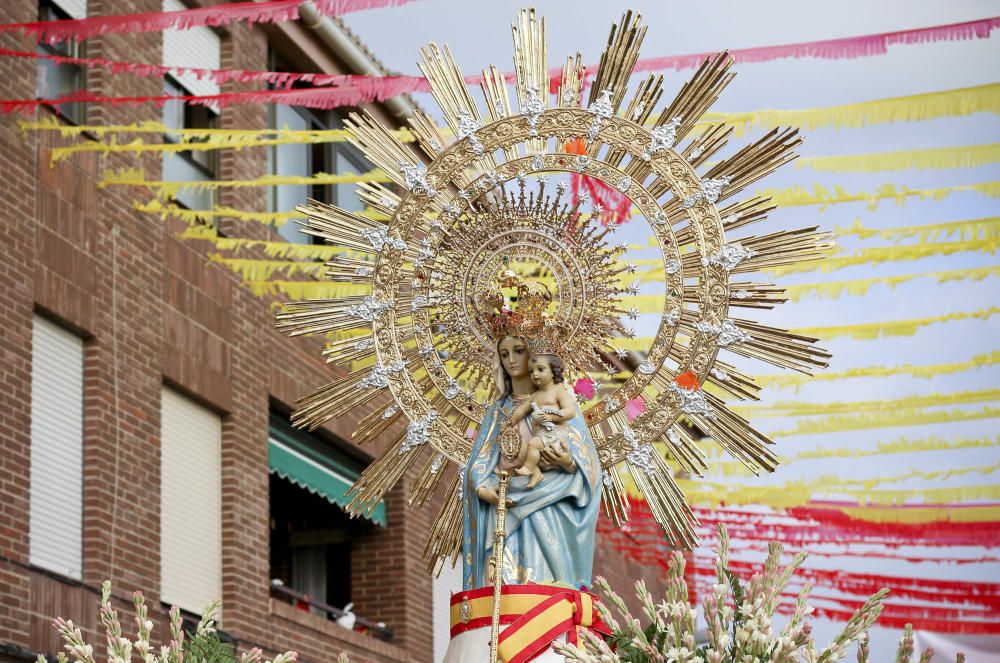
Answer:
(56, 508)
(448, 582)
(198, 47)
(190, 503)
(75, 9)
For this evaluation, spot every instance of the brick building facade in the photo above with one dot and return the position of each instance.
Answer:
(152, 312)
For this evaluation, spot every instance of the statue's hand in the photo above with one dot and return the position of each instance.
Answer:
(556, 458)
(490, 496)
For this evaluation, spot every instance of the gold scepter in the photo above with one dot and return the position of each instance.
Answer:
(496, 564)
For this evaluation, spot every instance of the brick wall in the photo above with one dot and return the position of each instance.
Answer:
(152, 311)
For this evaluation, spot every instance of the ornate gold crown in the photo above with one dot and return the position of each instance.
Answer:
(423, 333)
(535, 270)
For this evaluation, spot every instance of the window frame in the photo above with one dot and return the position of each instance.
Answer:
(76, 112)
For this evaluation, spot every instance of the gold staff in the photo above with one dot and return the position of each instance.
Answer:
(496, 564)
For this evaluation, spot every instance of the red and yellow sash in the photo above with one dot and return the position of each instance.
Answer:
(535, 615)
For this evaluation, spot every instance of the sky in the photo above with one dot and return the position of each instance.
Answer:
(479, 34)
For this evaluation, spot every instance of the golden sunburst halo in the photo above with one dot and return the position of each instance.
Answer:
(464, 208)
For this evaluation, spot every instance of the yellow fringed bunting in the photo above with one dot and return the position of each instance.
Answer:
(970, 229)
(917, 371)
(849, 422)
(820, 195)
(800, 409)
(942, 158)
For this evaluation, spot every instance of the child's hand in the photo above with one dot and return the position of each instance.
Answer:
(545, 418)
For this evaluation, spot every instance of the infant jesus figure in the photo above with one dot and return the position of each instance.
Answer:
(550, 407)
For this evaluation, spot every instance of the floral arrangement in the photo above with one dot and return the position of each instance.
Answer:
(202, 646)
(739, 622)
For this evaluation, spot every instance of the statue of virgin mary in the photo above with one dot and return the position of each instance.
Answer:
(550, 527)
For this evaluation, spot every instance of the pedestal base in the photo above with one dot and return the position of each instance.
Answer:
(532, 618)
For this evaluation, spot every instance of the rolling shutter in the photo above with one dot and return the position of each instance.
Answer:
(190, 503)
(56, 507)
(200, 48)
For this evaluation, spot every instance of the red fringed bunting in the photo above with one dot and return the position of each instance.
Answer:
(272, 11)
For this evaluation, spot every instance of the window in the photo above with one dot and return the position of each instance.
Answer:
(54, 80)
(309, 160)
(312, 537)
(190, 502)
(56, 507)
(198, 47)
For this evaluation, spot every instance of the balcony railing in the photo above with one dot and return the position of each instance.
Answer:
(378, 629)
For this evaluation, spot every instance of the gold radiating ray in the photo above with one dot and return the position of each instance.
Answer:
(318, 316)
(734, 434)
(337, 226)
(380, 146)
(618, 59)
(342, 353)
(756, 161)
(699, 93)
(704, 146)
(531, 67)
(429, 479)
(785, 247)
(445, 538)
(379, 477)
(646, 96)
(376, 423)
(613, 497)
(494, 88)
(755, 295)
(571, 82)
(780, 347)
(451, 93)
(734, 382)
(666, 501)
(683, 447)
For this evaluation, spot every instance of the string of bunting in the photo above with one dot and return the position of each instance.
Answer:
(831, 289)
(270, 11)
(925, 371)
(858, 287)
(985, 228)
(841, 423)
(802, 409)
(135, 177)
(824, 197)
(780, 197)
(901, 445)
(859, 331)
(275, 11)
(931, 105)
(882, 254)
(941, 158)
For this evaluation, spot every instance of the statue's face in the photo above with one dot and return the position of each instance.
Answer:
(514, 357)
(541, 372)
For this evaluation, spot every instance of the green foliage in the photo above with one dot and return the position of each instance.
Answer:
(208, 648)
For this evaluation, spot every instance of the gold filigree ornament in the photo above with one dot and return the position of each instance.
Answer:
(469, 217)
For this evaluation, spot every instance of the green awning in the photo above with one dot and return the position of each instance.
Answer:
(320, 474)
